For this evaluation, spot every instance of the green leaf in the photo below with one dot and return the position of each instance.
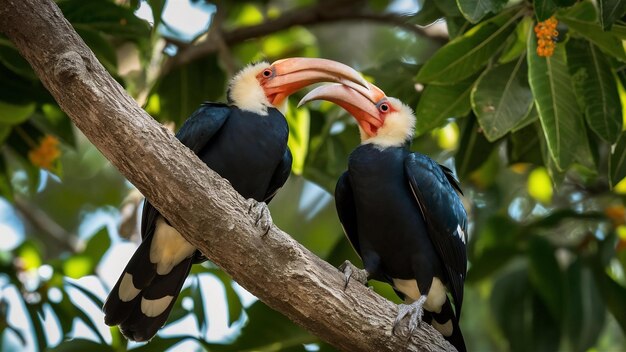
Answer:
(518, 43)
(545, 275)
(475, 10)
(474, 149)
(612, 293)
(182, 90)
(439, 103)
(162, 343)
(328, 152)
(544, 327)
(34, 314)
(525, 146)
(20, 90)
(619, 31)
(501, 98)
(468, 53)
(299, 121)
(560, 116)
(77, 266)
(18, 333)
(95, 299)
(511, 317)
(581, 21)
(6, 190)
(267, 328)
(53, 120)
(198, 306)
(393, 76)
(596, 84)
(100, 46)
(457, 26)
(533, 115)
(11, 58)
(617, 162)
(157, 11)
(105, 16)
(82, 345)
(448, 7)
(610, 11)
(235, 308)
(178, 311)
(80, 314)
(544, 9)
(585, 314)
(491, 261)
(15, 114)
(98, 245)
(428, 14)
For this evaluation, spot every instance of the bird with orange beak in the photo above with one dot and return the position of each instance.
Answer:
(245, 142)
(401, 211)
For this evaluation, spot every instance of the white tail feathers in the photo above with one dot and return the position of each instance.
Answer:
(168, 247)
(127, 291)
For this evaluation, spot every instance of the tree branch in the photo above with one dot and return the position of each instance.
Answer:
(323, 12)
(197, 201)
(55, 235)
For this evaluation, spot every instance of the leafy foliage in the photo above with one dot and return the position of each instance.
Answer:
(538, 144)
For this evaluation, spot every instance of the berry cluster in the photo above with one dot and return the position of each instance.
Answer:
(546, 35)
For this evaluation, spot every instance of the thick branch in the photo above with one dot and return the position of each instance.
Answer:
(202, 205)
(323, 12)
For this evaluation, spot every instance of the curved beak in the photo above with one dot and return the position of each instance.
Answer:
(293, 74)
(355, 99)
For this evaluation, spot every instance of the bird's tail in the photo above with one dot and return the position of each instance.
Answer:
(447, 324)
(141, 300)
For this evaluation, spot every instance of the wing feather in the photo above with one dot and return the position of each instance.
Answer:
(435, 190)
(346, 210)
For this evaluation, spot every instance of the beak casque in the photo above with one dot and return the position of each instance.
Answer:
(358, 101)
(293, 74)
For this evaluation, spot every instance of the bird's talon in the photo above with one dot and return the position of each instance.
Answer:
(352, 272)
(263, 216)
(415, 311)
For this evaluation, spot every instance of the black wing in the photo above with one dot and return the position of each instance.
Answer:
(195, 133)
(346, 210)
(202, 125)
(444, 214)
(281, 174)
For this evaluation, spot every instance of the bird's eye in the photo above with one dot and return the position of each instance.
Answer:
(384, 107)
(267, 73)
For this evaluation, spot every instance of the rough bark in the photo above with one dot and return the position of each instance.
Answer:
(202, 205)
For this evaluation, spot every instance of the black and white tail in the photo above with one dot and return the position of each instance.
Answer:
(447, 324)
(144, 295)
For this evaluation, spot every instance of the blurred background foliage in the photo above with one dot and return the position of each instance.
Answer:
(537, 142)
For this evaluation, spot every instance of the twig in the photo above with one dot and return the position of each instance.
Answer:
(323, 12)
(45, 225)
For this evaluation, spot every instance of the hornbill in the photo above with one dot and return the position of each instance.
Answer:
(401, 211)
(245, 142)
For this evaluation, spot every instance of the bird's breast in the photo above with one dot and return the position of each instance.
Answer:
(247, 151)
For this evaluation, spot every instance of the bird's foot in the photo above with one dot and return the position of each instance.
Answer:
(263, 216)
(352, 272)
(415, 311)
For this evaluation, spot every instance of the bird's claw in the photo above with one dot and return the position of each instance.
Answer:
(415, 311)
(263, 216)
(352, 272)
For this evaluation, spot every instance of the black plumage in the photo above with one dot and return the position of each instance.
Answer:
(401, 212)
(251, 152)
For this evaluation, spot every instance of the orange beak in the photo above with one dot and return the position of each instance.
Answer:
(293, 74)
(361, 103)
